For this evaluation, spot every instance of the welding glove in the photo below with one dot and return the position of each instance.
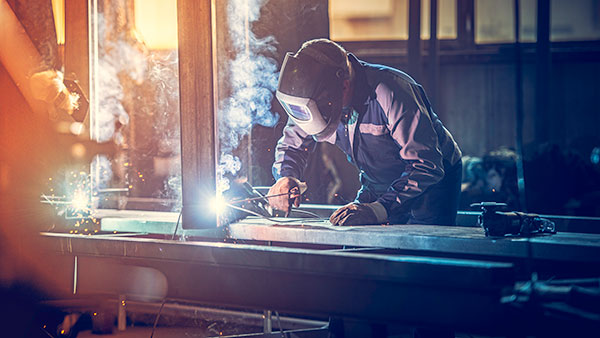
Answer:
(359, 214)
(290, 189)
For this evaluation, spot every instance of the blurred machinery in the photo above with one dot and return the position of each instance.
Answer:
(501, 223)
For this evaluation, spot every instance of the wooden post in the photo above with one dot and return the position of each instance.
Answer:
(197, 109)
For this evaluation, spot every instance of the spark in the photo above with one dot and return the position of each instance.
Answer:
(218, 204)
(80, 200)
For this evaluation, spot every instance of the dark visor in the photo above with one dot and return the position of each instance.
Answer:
(301, 76)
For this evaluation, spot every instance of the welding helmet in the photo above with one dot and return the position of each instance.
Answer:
(310, 89)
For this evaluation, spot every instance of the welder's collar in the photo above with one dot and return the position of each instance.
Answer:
(362, 89)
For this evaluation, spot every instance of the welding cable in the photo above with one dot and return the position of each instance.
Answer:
(177, 224)
(261, 197)
(266, 217)
(312, 214)
(157, 317)
(258, 215)
(266, 197)
(46, 332)
(165, 299)
(283, 334)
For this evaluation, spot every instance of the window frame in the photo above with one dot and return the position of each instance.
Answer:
(464, 48)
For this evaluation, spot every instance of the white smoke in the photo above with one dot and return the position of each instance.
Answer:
(115, 58)
(252, 80)
(163, 75)
(102, 169)
(126, 69)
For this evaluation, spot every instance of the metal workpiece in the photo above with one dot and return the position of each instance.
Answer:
(426, 238)
(416, 290)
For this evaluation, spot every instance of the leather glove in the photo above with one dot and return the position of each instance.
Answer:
(359, 214)
(294, 189)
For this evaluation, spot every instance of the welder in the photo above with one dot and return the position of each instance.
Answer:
(410, 166)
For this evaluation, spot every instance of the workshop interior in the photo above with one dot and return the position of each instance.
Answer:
(139, 140)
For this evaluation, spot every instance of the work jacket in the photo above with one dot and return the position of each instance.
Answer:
(392, 136)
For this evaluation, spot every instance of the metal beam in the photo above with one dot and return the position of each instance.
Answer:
(462, 294)
(434, 58)
(466, 23)
(77, 43)
(546, 123)
(197, 108)
(519, 108)
(414, 38)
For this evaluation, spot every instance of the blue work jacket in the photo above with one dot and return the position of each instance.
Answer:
(392, 136)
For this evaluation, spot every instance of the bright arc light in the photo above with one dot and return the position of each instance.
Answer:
(80, 201)
(218, 204)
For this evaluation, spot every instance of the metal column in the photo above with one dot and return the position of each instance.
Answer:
(197, 106)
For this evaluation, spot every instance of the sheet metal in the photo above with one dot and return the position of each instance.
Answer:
(443, 239)
(426, 239)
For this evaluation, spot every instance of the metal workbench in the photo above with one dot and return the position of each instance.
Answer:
(415, 275)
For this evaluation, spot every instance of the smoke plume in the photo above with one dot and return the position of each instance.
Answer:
(252, 81)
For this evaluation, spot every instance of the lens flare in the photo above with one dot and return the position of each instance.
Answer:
(218, 204)
(80, 201)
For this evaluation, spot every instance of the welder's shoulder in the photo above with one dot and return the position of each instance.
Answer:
(391, 86)
(394, 79)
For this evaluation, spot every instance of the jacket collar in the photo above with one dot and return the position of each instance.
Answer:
(362, 90)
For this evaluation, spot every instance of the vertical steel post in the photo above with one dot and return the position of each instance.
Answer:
(519, 109)
(545, 119)
(197, 108)
(268, 322)
(77, 43)
(433, 52)
(121, 314)
(414, 38)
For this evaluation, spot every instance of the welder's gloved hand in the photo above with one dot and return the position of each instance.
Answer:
(290, 189)
(359, 214)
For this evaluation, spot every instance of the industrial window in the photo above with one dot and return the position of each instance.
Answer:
(569, 21)
(446, 19)
(134, 105)
(574, 20)
(368, 20)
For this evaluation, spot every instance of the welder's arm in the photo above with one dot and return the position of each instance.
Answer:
(413, 131)
(291, 156)
(292, 151)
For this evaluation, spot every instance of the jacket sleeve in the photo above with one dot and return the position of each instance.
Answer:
(292, 151)
(412, 129)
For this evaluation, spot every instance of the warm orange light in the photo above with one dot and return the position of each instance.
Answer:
(58, 8)
(156, 22)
